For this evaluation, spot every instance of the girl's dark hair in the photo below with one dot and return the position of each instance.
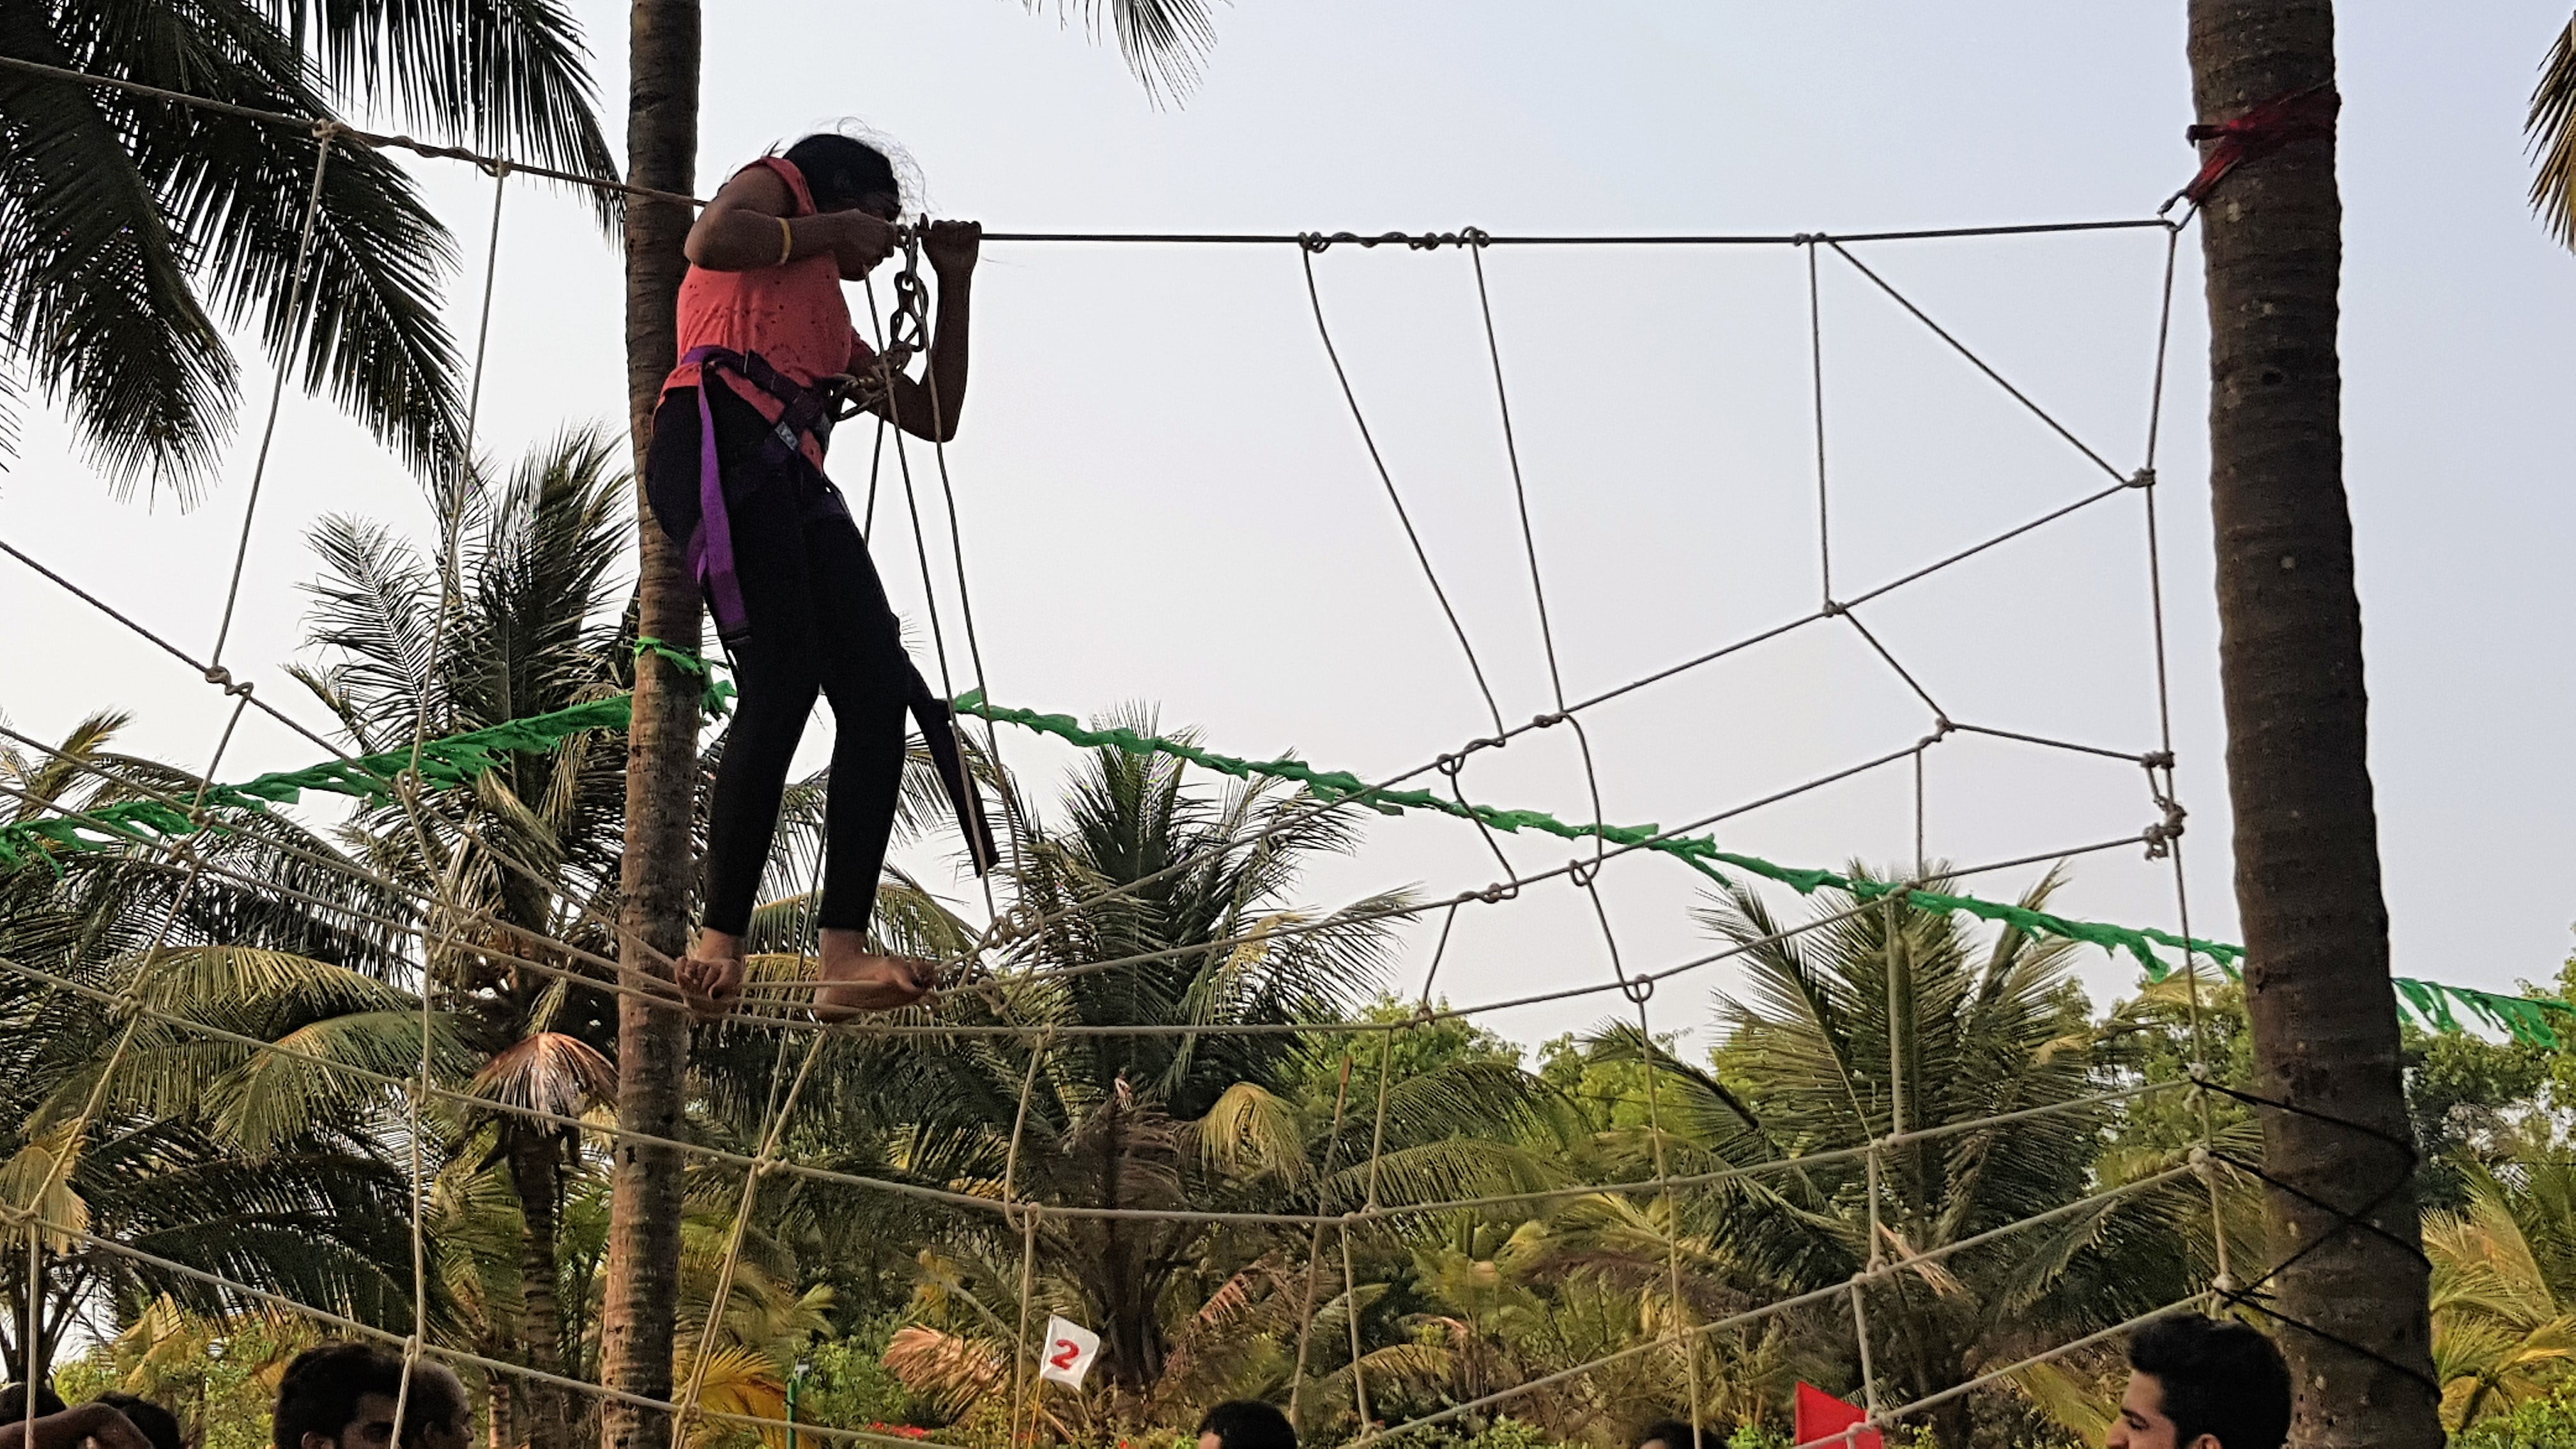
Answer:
(840, 170)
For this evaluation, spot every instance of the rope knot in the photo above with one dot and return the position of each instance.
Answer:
(1638, 989)
(1496, 894)
(2160, 836)
(2143, 478)
(1547, 721)
(1313, 241)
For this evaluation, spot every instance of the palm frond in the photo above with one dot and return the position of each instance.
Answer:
(2551, 126)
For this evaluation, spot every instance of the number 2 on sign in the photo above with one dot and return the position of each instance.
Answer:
(1066, 1351)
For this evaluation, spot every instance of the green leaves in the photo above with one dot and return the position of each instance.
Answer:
(132, 229)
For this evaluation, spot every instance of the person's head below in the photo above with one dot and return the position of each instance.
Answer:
(1670, 1434)
(2202, 1383)
(847, 174)
(13, 1402)
(344, 1396)
(157, 1425)
(1246, 1424)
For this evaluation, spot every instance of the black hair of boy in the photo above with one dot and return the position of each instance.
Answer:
(2220, 1378)
(13, 1402)
(153, 1421)
(1248, 1424)
(1671, 1433)
(322, 1388)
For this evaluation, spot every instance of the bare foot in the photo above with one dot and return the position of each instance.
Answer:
(855, 979)
(711, 975)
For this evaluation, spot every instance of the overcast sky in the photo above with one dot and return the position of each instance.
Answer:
(1164, 502)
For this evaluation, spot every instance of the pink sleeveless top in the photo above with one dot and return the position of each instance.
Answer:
(794, 316)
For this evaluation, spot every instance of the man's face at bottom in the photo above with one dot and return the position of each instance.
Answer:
(2141, 1423)
(372, 1428)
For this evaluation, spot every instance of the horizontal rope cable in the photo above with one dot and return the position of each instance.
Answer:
(1313, 241)
(346, 1324)
(1813, 1296)
(458, 759)
(950, 1198)
(1994, 1376)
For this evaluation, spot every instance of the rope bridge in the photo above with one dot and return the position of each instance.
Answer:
(165, 825)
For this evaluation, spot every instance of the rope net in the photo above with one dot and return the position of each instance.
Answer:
(1020, 991)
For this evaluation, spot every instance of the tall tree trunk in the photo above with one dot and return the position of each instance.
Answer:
(502, 1429)
(2307, 851)
(536, 1163)
(636, 1321)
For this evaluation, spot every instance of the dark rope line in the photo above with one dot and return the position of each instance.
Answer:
(1315, 299)
(2255, 1302)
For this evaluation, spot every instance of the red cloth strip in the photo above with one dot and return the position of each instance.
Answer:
(2266, 127)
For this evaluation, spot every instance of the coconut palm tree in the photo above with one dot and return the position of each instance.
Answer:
(532, 845)
(1130, 913)
(264, 1167)
(2504, 1300)
(1981, 1028)
(2291, 676)
(137, 230)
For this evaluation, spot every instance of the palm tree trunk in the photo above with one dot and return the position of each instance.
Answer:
(502, 1428)
(636, 1322)
(2306, 831)
(536, 1163)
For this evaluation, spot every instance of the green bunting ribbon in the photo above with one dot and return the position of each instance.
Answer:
(715, 695)
(459, 759)
(455, 760)
(2525, 1018)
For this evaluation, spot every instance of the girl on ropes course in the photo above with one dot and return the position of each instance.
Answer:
(735, 475)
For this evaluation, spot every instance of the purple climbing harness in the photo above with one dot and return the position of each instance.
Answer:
(808, 410)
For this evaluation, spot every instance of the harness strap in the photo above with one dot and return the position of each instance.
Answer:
(938, 721)
(808, 411)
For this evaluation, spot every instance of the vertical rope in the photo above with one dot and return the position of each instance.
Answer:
(2222, 1280)
(1816, 376)
(921, 544)
(1588, 879)
(1315, 299)
(966, 611)
(1672, 1215)
(685, 1409)
(1315, 1248)
(1023, 1362)
(1377, 1153)
(443, 907)
(295, 300)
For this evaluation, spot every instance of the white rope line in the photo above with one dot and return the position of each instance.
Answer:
(443, 914)
(1241, 1029)
(296, 330)
(985, 1204)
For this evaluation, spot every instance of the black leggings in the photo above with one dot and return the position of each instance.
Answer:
(819, 623)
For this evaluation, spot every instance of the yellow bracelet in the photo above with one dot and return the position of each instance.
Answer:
(786, 241)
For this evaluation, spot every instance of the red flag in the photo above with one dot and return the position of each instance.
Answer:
(1822, 1416)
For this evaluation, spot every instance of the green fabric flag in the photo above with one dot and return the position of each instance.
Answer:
(459, 759)
(2525, 1018)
